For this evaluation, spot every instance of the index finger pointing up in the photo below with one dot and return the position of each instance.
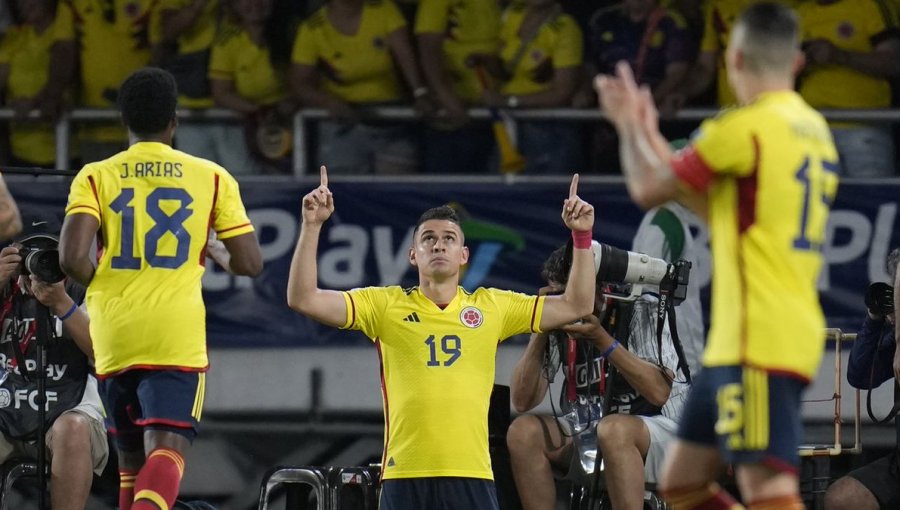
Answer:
(573, 188)
(323, 176)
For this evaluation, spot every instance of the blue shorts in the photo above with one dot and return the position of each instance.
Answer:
(438, 493)
(752, 416)
(135, 400)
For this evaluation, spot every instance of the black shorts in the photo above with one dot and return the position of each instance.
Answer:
(752, 416)
(882, 478)
(169, 400)
(438, 493)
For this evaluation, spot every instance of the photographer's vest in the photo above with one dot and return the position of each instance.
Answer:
(66, 366)
(597, 380)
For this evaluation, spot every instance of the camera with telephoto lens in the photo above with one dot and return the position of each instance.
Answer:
(40, 257)
(629, 271)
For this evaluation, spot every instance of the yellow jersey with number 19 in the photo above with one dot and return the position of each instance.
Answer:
(156, 206)
(437, 372)
(769, 170)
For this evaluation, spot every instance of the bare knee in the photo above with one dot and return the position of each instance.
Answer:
(848, 493)
(615, 432)
(71, 432)
(525, 434)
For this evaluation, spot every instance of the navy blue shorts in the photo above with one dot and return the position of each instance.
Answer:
(135, 400)
(752, 416)
(438, 493)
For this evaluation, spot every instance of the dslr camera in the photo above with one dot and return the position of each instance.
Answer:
(40, 257)
(628, 272)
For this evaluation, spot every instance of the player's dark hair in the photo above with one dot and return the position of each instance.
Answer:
(556, 267)
(147, 100)
(443, 212)
(770, 31)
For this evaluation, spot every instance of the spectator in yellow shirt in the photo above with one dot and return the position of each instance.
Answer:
(852, 49)
(24, 70)
(248, 70)
(539, 67)
(109, 40)
(351, 54)
(448, 34)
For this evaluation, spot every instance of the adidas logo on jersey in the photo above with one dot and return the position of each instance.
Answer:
(413, 317)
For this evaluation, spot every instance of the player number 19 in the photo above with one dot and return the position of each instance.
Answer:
(449, 344)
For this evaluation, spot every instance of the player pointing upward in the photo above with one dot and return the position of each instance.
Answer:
(437, 344)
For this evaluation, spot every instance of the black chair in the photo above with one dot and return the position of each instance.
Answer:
(313, 478)
(12, 471)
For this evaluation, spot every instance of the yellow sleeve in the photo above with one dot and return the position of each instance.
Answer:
(710, 41)
(305, 47)
(431, 16)
(230, 216)
(221, 59)
(64, 24)
(365, 306)
(84, 194)
(725, 145)
(569, 48)
(392, 18)
(522, 313)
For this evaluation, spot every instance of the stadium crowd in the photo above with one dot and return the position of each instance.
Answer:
(264, 59)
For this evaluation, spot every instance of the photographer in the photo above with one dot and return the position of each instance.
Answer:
(75, 436)
(641, 399)
(873, 360)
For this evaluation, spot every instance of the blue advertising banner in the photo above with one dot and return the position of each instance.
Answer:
(510, 229)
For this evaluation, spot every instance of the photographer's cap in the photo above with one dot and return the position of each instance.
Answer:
(38, 229)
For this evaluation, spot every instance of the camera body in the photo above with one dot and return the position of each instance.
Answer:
(40, 257)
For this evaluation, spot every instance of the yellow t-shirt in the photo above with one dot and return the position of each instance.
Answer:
(356, 68)
(469, 27)
(854, 26)
(437, 371)
(557, 45)
(719, 19)
(198, 38)
(235, 57)
(769, 170)
(114, 41)
(156, 206)
(27, 54)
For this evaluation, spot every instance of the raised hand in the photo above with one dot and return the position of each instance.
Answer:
(318, 204)
(619, 95)
(577, 214)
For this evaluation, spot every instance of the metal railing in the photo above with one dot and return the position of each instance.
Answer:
(302, 118)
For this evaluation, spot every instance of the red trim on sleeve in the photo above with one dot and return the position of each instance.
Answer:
(229, 229)
(352, 313)
(387, 409)
(164, 422)
(747, 192)
(690, 168)
(212, 215)
(534, 312)
(96, 195)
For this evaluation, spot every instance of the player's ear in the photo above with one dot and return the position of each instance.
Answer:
(799, 62)
(412, 257)
(465, 255)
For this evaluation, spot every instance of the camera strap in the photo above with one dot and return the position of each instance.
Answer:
(894, 410)
(666, 310)
(17, 331)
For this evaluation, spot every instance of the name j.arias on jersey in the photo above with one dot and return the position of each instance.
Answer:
(150, 169)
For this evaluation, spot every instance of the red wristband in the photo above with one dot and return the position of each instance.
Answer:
(581, 239)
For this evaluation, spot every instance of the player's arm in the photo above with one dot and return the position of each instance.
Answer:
(75, 241)
(578, 299)
(10, 220)
(646, 378)
(644, 152)
(303, 292)
(244, 256)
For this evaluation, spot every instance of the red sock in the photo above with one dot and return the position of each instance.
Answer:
(126, 489)
(792, 502)
(157, 482)
(705, 497)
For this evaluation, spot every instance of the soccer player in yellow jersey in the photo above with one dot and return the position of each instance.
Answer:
(437, 344)
(764, 175)
(152, 208)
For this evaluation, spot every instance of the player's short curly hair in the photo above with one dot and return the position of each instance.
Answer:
(147, 100)
(443, 212)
